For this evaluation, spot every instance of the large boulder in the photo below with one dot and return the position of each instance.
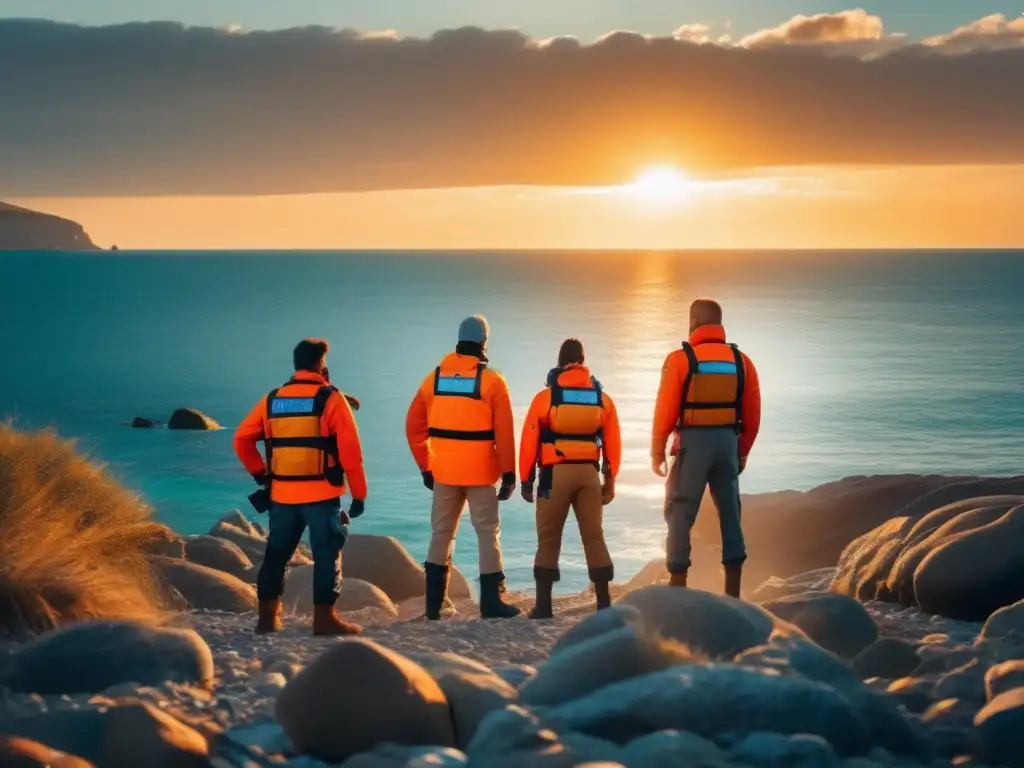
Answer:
(471, 688)
(385, 563)
(90, 657)
(836, 622)
(889, 658)
(791, 532)
(252, 541)
(715, 625)
(141, 735)
(376, 695)
(204, 589)
(957, 560)
(1006, 624)
(999, 726)
(16, 752)
(355, 594)
(76, 732)
(221, 555)
(190, 418)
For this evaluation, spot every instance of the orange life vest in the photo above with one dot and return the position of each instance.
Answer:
(713, 388)
(572, 434)
(298, 447)
(457, 411)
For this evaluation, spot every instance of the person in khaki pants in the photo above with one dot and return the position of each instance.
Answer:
(461, 433)
(571, 426)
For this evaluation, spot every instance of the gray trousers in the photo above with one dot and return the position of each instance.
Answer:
(707, 457)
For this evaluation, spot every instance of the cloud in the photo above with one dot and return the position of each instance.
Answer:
(844, 26)
(992, 33)
(695, 33)
(160, 108)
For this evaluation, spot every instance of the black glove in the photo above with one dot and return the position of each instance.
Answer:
(526, 489)
(356, 508)
(261, 479)
(508, 484)
(428, 480)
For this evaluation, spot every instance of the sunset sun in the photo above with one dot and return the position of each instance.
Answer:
(662, 183)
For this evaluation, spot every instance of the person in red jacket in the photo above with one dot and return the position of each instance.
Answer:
(313, 450)
(710, 399)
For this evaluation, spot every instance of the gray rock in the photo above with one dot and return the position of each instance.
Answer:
(221, 555)
(355, 595)
(90, 657)
(1005, 624)
(1004, 677)
(471, 688)
(999, 730)
(670, 749)
(398, 756)
(512, 729)
(597, 623)
(913, 693)
(205, 589)
(837, 623)
(589, 665)
(773, 750)
(713, 699)
(142, 735)
(966, 682)
(74, 731)
(515, 674)
(710, 624)
(889, 658)
(950, 724)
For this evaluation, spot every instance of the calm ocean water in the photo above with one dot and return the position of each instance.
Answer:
(869, 362)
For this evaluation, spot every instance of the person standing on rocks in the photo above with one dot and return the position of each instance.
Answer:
(572, 434)
(710, 399)
(460, 430)
(312, 444)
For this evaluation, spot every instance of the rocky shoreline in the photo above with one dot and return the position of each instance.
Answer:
(824, 668)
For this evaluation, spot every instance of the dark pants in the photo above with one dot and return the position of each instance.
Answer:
(707, 458)
(327, 534)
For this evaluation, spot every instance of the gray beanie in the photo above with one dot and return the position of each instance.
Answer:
(474, 329)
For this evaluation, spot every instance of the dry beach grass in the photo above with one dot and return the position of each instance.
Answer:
(74, 543)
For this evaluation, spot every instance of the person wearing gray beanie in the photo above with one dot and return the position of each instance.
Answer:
(460, 429)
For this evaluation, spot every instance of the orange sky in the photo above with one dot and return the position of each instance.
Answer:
(946, 206)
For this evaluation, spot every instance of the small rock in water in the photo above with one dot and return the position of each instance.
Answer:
(190, 418)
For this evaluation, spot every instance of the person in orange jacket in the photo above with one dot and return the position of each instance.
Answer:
(710, 398)
(313, 448)
(571, 427)
(461, 433)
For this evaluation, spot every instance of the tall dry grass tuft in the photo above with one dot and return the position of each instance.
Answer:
(73, 542)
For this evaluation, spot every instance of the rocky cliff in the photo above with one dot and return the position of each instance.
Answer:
(25, 230)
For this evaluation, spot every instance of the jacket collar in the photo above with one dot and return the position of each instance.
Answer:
(708, 334)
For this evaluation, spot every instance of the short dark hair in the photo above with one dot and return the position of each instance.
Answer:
(570, 352)
(309, 354)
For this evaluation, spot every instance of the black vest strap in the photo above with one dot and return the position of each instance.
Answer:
(484, 435)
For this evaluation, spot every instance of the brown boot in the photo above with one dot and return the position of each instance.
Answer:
(733, 579)
(326, 621)
(677, 579)
(270, 616)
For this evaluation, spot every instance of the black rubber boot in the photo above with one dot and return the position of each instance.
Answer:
(491, 604)
(733, 579)
(437, 588)
(542, 610)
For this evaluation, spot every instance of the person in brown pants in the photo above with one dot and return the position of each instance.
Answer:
(571, 427)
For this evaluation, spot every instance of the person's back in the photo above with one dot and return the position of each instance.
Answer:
(571, 435)
(709, 397)
(460, 432)
(313, 448)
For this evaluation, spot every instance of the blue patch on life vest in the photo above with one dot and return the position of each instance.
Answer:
(456, 385)
(292, 405)
(711, 366)
(581, 396)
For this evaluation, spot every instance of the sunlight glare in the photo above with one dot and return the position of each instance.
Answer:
(661, 183)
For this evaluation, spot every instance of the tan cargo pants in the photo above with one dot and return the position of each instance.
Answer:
(577, 486)
(449, 501)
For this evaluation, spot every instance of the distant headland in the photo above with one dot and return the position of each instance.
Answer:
(25, 230)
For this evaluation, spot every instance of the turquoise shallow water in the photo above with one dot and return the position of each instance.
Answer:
(869, 362)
